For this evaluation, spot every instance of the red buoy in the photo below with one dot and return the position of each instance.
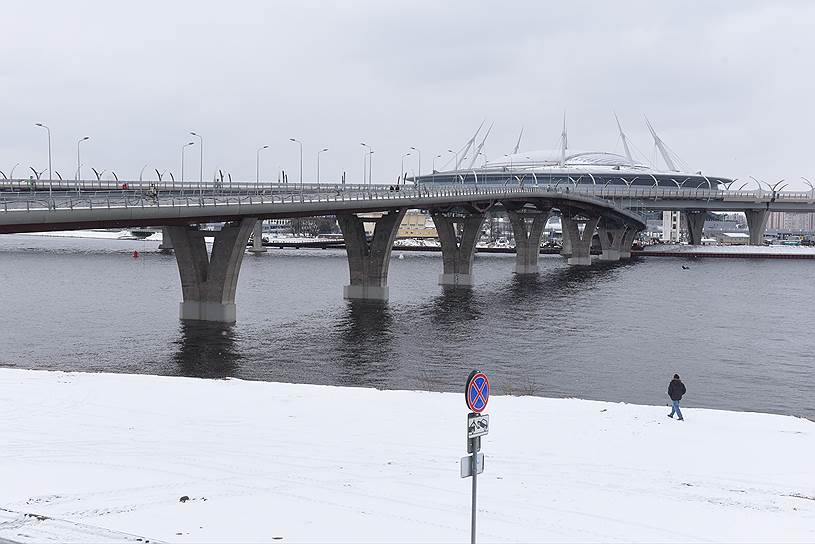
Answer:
(135, 254)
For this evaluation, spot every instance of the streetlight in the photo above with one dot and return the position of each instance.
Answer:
(419, 161)
(434, 162)
(295, 140)
(201, 163)
(257, 164)
(402, 170)
(323, 150)
(456, 154)
(49, 155)
(183, 148)
(364, 157)
(78, 163)
(11, 174)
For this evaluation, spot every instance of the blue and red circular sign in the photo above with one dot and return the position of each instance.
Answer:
(477, 392)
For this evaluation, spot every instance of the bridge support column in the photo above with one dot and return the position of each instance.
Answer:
(368, 261)
(628, 241)
(208, 282)
(527, 239)
(580, 243)
(257, 239)
(696, 222)
(457, 248)
(166, 245)
(611, 240)
(756, 225)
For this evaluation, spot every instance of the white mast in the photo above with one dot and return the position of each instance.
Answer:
(469, 145)
(480, 146)
(564, 142)
(625, 141)
(518, 143)
(661, 146)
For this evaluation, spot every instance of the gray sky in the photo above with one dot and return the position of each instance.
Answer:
(728, 85)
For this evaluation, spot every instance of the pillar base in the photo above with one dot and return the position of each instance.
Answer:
(625, 254)
(526, 269)
(257, 251)
(610, 255)
(365, 292)
(456, 280)
(580, 261)
(207, 311)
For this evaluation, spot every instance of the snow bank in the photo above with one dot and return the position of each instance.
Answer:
(107, 457)
(736, 250)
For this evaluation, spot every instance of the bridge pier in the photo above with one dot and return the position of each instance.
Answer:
(756, 225)
(580, 243)
(166, 245)
(457, 248)
(612, 238)
(257, 239)
(208, 282)
(628, 241)
(527, 238)
(368, 261)
(696, 222)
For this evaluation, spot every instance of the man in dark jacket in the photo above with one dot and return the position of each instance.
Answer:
(675, 390)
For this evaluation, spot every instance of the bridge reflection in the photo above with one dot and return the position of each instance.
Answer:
(206, 349)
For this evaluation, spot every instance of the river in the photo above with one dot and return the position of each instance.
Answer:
(739, 331)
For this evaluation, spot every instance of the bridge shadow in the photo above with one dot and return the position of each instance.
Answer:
(364, 344)
(206, 350)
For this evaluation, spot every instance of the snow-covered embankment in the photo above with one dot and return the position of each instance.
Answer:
(101, 456)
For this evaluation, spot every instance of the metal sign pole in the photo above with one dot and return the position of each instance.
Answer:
(475, 478)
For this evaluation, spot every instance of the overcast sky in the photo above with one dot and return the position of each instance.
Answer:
(728, 85)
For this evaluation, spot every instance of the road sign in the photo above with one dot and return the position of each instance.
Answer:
(467, 465)
(477, 391)
(477, 425)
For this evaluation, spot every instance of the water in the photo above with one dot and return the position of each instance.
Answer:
(738, 331)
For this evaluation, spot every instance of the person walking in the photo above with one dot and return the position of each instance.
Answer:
(675, 390)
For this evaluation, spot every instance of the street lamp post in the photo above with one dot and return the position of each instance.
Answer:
(323, 150)
(456, 155)
(183, 148)
(49, 156)
(78, 163)
(364, 158)
(418, 161)
(201, 159)
(402, 168)
(257, 165)
(295, 140)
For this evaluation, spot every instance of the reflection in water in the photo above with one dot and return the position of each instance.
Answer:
(365, 352)
(454, 306)
(206, 350)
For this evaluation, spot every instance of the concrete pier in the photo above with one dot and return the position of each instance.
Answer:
(368, 261)
(611, 240)
(527, 228)
(257, 239)
(696, 222)
(628, 241)
(166, 245)
(756, 225)
(458, 234)
(580, 243)
(208, 282)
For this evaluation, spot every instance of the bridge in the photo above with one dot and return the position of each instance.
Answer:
(209, 280)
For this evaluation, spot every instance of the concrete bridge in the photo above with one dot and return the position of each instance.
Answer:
(209, 280)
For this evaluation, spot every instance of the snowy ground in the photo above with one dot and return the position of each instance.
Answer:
(101, 457)
(752, 250)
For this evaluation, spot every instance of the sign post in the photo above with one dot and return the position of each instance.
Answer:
(476, 394)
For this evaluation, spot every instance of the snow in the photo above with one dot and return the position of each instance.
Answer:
(741, 249)
(106, 457)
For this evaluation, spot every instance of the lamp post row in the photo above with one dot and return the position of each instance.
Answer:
(366, 159)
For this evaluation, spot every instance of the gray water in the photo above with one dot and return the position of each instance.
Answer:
(738, 331)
